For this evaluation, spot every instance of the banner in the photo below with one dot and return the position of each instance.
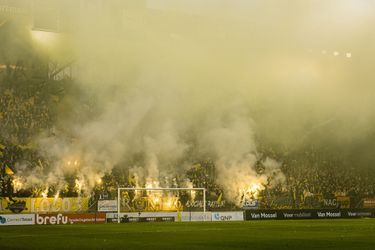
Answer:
(44, 205)
(343, 202)
(55, 205)
(17, 219)
(250, 204)
(209, 204)
(227, 216)
(337, 202)
(15, 205)
(57, 219)
(107, 205)
(368, 203)
(149, 204)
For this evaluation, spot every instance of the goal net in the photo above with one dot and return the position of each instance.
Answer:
(151, 203)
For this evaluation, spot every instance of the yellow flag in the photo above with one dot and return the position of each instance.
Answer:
(8, 170)
(131, 180)
(218, 201)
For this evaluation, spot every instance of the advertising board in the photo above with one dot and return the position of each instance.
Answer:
(148, 219)
(185, 216)
(227, 216)
(143, 214)
(309, 214)
(107, 205)
(196, 216)
(57, 219)
(17, 219)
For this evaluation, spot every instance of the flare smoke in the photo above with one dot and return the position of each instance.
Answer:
(174, 83)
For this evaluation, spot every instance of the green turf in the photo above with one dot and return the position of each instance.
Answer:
(292, 234)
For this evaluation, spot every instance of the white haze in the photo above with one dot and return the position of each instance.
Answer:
(180, 78)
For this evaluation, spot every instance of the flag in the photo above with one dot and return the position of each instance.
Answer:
(218, 201)
(8, 170)
(131, 180)
(40, 163)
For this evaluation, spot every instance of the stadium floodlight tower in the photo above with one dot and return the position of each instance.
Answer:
(120, 189)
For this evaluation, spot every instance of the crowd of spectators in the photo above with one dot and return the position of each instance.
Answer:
(310, 175)
(22, 116)
(26, 111)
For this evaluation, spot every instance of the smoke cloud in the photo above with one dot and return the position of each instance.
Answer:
(175, 82)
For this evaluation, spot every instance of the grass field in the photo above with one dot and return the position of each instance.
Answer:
(291, 234)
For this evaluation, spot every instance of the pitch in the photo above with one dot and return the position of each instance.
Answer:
(302, 234)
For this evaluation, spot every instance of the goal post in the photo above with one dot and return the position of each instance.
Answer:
(150, 192)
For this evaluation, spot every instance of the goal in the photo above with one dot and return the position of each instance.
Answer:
(140, 200)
